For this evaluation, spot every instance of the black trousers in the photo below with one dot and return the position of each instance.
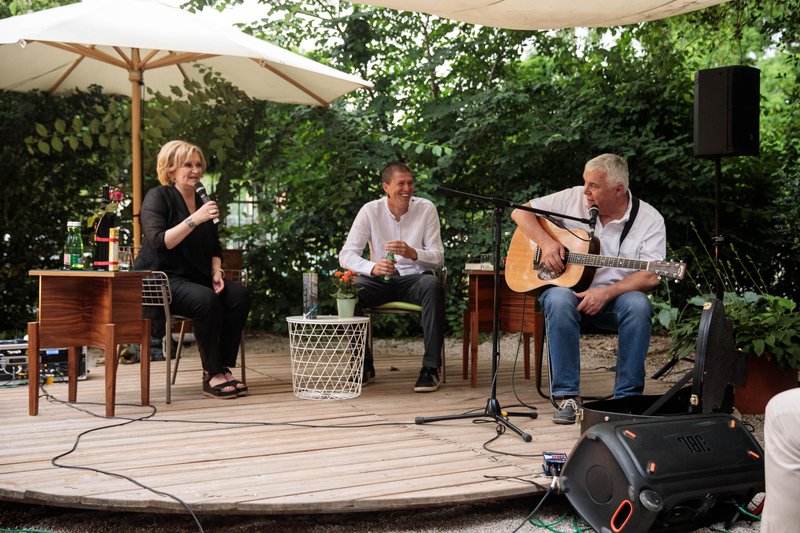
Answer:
(424, 290)
(217, 319)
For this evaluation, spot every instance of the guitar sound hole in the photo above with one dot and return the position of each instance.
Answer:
(547, 275)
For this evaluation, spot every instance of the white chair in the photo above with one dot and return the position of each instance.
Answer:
(405, 308)
(156, 293)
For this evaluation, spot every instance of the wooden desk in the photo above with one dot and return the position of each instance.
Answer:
(92, 308)
(479, 316)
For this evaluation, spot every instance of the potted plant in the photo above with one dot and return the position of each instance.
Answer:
(766, 328)
(345, 292)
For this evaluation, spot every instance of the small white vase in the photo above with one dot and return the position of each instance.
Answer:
(346, 307)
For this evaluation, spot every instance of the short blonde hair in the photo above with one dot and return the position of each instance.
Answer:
(173, 155)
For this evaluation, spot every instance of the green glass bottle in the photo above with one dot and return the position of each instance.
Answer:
(390, 257)
(73, 247)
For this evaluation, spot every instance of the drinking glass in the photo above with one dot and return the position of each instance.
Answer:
(125, 258)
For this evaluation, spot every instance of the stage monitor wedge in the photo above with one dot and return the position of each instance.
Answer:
(726, 111)
(675, 473)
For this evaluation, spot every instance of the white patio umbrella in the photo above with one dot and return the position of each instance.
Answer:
(547, 14)
(120, 44)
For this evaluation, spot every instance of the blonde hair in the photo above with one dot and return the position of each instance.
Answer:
(172, 156)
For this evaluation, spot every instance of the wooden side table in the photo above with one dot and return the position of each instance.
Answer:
(518, 313)
(91, 308)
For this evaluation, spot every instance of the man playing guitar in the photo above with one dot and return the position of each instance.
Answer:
(615, 300)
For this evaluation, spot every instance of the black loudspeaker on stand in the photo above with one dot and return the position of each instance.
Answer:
(726, 122)
(726, 111)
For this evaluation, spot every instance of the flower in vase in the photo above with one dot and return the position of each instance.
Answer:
(344, 283)
(110, 203)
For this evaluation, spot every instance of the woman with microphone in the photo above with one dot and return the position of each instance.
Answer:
(180, 238)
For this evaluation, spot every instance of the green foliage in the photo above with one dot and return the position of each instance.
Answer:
(494, 113)
(41, 194)
(764, 325)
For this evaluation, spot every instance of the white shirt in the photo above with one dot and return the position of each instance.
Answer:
(375, 225)
(646, 241)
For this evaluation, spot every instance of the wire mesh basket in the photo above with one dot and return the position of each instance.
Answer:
(327, 355)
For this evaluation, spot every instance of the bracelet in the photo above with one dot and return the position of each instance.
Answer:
(222, 272)
(189, 222)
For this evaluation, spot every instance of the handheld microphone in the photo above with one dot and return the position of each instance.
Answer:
(198, 187)
(594, 212)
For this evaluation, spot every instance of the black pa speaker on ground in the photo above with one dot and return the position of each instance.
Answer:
(670, 474)
(726, 111)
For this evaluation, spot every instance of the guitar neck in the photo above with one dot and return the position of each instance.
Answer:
(606, 261)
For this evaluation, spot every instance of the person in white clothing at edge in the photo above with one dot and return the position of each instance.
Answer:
(782, 463)
(407, 227)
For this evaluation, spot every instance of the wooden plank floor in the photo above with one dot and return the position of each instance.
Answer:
(273, 453)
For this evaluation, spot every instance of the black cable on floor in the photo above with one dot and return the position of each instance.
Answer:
(54, 460)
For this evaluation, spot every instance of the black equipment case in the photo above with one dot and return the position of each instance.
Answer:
(672, 462)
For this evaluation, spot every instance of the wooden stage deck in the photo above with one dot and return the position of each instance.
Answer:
(273, 453)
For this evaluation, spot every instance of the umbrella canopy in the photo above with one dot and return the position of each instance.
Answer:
(548, 14)
(121, 44)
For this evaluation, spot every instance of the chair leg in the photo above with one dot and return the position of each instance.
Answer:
(241, 359)
(168, 353)
(369, 338)
(526, 354)
(538, 353)
(179, 350)
(444, 365)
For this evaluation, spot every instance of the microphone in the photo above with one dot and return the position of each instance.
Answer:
(594, 211)
(199, 189)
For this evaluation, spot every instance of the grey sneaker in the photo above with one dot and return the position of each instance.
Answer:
(567, 411)
(428, 380)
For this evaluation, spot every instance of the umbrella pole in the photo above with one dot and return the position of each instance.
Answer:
(136, 153)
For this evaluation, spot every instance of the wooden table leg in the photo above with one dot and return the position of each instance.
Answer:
(144, 358)
(473, 334)
(465, 345)
(111, 361)
(73, 362)
(33, 368)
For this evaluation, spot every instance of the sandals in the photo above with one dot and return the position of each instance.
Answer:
(241, 387)
(218, 391)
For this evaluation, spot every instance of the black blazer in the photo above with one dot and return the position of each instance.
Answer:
(163, 208)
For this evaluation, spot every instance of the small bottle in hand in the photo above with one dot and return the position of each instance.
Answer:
(390, 257)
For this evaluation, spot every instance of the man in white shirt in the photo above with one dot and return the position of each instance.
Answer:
(616, 299)
(408, 228)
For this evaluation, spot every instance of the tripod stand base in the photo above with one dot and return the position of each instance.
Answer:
(492, 410)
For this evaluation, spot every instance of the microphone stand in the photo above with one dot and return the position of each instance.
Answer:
(493, 409)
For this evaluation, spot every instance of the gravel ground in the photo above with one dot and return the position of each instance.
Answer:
(502, 516)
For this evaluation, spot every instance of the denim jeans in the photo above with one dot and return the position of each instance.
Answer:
(629, 315)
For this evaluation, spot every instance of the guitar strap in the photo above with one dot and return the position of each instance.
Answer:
(627, 228)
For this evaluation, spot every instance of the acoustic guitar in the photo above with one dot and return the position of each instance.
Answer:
(525, 273)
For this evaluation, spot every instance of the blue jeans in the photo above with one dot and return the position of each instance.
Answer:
(629, 315)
